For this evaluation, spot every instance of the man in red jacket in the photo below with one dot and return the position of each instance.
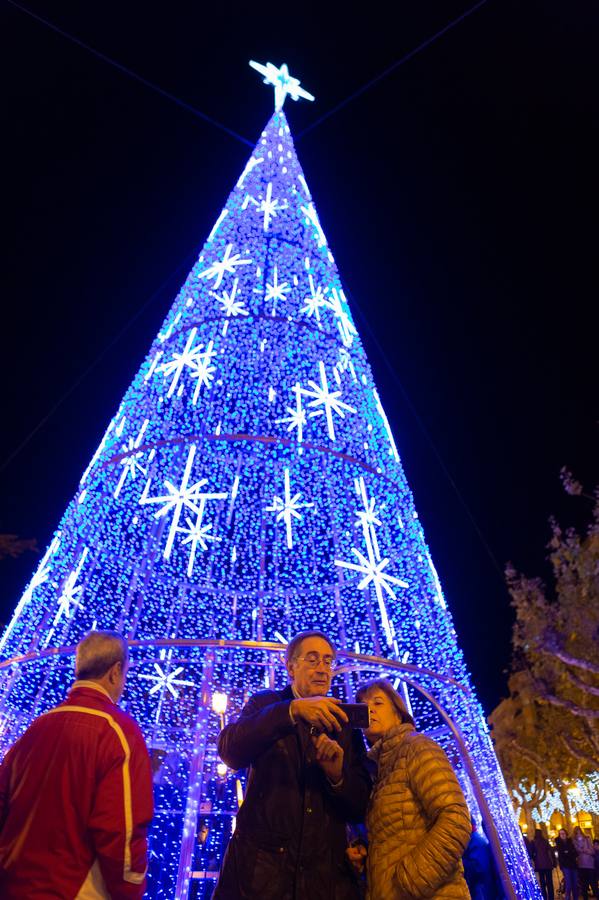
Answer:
(76, 791)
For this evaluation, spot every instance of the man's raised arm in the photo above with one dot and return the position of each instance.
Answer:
(263, 720)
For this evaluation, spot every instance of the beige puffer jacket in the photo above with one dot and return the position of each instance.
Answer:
(418, 821)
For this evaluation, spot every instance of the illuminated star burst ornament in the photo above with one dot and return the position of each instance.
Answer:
(166, 678)
(248, 487)
(287, 508)
(282, 82)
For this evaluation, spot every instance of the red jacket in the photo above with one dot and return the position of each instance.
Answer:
(75, 804)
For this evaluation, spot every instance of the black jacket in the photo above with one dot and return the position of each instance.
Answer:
(566, 853)
(544, 855)
(290, 839)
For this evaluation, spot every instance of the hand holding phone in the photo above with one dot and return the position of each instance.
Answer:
(356, 715)
(319, 713)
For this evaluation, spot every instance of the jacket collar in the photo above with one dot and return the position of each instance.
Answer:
(91, 685)
(380, 751)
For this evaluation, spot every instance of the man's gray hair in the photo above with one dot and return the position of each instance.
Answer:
(98, 651)
(295, 644)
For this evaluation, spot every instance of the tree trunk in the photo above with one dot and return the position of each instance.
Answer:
(563, 792)
(530, 822)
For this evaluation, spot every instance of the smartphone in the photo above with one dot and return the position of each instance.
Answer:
(357, 713)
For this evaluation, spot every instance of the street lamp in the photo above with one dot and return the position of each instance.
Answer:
(219, 706)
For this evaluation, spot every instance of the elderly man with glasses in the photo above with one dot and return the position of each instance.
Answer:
(307, 779)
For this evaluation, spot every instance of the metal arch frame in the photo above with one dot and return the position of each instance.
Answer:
(356, 662)
(219, 643)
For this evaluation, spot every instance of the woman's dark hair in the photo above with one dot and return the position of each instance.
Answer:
(381, 684)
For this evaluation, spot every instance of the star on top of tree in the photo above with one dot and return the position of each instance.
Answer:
(282, 82)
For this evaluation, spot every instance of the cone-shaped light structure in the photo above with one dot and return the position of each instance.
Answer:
(248, 486)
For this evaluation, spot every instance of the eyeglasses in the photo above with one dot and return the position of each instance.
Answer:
(313, 659)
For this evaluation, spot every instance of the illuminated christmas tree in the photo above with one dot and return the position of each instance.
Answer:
(249, 486)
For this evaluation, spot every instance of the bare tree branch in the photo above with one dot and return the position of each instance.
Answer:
(589, 761)
(568, 659)
(583, 685)
(531, 757)
(574, 708)
(592, 736)
(13, 545)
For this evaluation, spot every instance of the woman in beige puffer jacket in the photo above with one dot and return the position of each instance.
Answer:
(418, 821)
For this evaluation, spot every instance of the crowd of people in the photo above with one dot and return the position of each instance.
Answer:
(577, 858)
(324, 816)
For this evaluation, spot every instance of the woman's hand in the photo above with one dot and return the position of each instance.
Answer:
(329, 756)
(356, 856)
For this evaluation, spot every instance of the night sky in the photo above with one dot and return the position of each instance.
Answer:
(458, 195)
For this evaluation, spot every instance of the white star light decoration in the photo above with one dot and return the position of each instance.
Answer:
(199, 362)
(231, 306)
(337, 304)
(345, 364)
(312, 218)
(266, 205)
(276, 291)
(251, 164)
(371, 566)
(392, 445)
(183, 497)
(315, 300)
(329, 401)
(296, 420)
(336, 301)
(287, 508)
(436, 581)
(70, 597)
(228, 263)
(166, 680)
(130, 462)
(283, 83)
(324, 402)
(203, 370)
(197, 532)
